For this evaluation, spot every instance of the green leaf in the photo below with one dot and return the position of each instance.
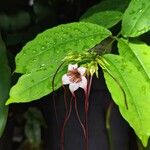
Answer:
(124, 74)
(106, 5)
(138, 53)
(4, 86)
(35, 85)
(41, 57)
(136, 19)
(51, 46)
(105, 18)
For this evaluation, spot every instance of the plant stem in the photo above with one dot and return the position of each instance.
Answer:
(125, 99)
(77, 113)
(108, 127)
(89, 87)
(114, 38)
(87, 93)
(53, 89)
(64, 125)
(83, 127)
(65, 99)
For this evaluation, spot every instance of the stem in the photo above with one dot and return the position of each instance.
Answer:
(124, 94)
(53, 80)
(89, 87)
(86, 125)
(79, 119)
(67, 116)
(53, 89)
(113, 40)
(108, 127)
(65, 99)
(56, 115)
(87, 93)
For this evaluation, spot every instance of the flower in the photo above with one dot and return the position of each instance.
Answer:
(75, 78)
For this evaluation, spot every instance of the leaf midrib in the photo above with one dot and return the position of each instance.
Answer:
(140, 62)
(35, 84)
(137, 58)
(138, 18)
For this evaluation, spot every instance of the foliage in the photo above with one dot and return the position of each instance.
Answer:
(39, 62)
(4, 85)
(138, 53)
(111, 18)
(43, 60)
(136, 19)
(123, 77)
(107, 13)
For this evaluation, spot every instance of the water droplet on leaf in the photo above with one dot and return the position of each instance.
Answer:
(42, 65)
(42, 47)
(34, 51)
(34, 59)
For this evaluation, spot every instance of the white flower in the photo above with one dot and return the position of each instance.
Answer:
(75, 78)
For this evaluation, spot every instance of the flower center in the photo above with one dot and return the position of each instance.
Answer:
(74, 76)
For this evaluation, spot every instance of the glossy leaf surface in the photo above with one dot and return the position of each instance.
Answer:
(127, 84)
(105, 18)
(106, 5)
(35, 85)
(138, 53)
(41, 57)
(51, 46)
(136, 19)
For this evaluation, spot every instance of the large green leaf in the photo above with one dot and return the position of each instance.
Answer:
(104, 18)
(126, 83)
(136, 19)
(138, 53)
(35, 85)
(51, 46)
(4, 85)
(41, 57)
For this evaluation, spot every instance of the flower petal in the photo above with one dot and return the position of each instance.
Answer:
(83, 83)
(72, 67)
(73, 87)
(65, 79)
(81, 70)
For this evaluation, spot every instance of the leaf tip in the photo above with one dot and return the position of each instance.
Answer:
(9, 101)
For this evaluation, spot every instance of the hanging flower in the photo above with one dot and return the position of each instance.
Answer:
(75, 78)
